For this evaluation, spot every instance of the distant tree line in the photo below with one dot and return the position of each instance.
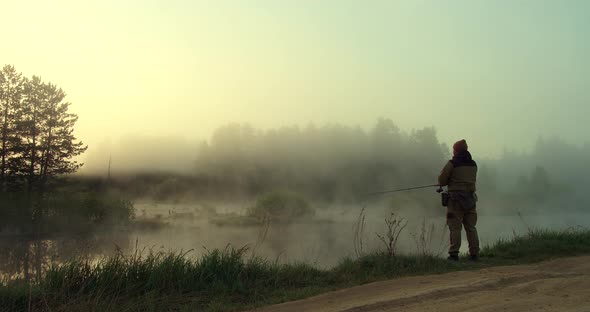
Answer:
(339, 163)
(329, 162)
(36, 132)
(551, 177)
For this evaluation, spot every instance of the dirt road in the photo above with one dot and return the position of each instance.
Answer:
(556, 285)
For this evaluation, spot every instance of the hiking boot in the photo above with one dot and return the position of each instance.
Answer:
(453, 258)
(474, 258)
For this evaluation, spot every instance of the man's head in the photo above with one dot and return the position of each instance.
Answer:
(459, 147)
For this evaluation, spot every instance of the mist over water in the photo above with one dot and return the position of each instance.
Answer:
(194, 197)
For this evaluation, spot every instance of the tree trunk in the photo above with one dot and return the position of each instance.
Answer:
(33, 153)
(4, 139)
(45, 158)
(26, 270)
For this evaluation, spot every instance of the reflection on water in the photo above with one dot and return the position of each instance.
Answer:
(28, 258)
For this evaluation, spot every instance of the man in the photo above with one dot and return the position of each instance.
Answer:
(460, 174)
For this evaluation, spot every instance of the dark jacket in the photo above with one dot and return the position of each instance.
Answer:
(459, 174)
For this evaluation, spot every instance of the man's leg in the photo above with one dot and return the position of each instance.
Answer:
(469, 221)
(454, 221)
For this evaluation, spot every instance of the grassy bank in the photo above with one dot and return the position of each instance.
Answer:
(228, 280)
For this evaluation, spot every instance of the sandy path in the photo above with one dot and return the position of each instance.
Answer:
(556, 285)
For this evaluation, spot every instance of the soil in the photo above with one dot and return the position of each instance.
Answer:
(555, 285)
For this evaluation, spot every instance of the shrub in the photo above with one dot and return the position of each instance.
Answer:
(281, 206)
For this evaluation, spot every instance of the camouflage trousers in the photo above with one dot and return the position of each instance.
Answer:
(461, 213)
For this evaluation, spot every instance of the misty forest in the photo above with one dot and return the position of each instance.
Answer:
(294, 194)
(310, 181)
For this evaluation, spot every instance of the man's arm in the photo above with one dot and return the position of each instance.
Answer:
(445, 174)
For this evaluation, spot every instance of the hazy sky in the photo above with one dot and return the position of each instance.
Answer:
(498, 73)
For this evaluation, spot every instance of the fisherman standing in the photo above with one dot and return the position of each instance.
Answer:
(460, 174)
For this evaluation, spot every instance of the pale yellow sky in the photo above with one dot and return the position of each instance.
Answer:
(499, 73)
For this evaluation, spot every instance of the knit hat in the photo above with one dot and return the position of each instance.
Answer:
(460, 146)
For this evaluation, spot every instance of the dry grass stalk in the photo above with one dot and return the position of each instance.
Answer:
(395, 225)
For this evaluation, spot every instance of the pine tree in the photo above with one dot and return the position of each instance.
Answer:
(29, 129)
(57, 141)
(11, 93)
(47, 142)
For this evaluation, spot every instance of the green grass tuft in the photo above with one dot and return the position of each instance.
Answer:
(539, 244)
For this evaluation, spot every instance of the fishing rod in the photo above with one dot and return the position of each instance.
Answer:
(404, 189)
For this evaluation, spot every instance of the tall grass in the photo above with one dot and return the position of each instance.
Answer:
(227, 279)
(538, 244)
(220, 275)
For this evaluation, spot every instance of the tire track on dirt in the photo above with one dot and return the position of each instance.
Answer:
(462, 290)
